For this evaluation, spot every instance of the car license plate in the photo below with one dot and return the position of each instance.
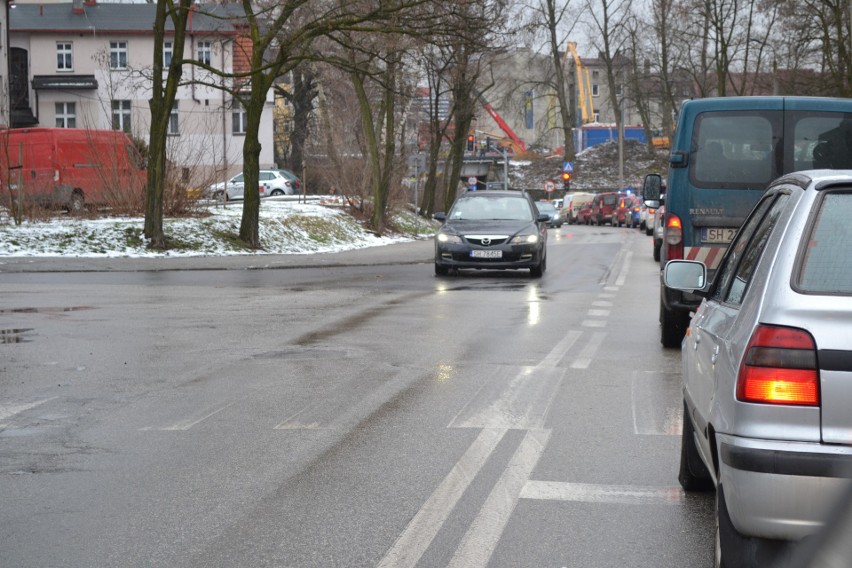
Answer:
(717, 234)
(486, 254)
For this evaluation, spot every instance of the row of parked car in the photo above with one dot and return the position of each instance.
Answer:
(618, 209)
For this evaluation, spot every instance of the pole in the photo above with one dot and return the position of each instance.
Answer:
(505, 168)
(416, 198)
(621, 145)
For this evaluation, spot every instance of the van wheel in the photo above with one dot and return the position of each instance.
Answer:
(673, 326)
(693, 474)
(657, 246)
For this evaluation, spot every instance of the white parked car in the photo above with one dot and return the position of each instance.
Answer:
(272, 182)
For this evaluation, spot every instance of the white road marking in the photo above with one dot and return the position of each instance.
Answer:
(184, 425)
(423, 527)
(8, 411)
(625, 268)
(524, 402)
(602, 304)
(590, 493)
(482, 537)
(599, 313)
(293, 422)
(522, 405)
(589, 351)
(558, 352)
(594, 323)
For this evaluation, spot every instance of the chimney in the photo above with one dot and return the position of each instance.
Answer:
(77, 7)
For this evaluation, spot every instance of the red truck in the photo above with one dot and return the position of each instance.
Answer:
(71, 168)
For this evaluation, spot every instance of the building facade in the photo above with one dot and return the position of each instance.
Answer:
(88, 65)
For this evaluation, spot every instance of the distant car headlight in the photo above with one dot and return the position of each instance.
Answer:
(525, 239)
(445, 238)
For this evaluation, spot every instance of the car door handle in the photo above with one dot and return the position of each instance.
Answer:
(715, 355)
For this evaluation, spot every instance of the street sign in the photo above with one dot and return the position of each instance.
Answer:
(549, 186)
(568, 167)
(471, 180)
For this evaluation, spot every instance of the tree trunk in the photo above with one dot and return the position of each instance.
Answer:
(250, 222)
(161, 103)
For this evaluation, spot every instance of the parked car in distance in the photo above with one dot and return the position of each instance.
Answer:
(492, 230)
(767, 370)
(271, 182)
(603, 207)
(657, 229)
(632, 220)
(622, 211)
(72, 168)
(573, 204)
(553, 214)
(584, 214)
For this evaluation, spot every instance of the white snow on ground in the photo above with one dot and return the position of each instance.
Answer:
(286, 227)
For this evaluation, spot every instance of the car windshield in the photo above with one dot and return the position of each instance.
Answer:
(545, 207)
(491, 208)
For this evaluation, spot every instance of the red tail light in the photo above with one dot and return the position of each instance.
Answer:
(674, 237)
(779, 367)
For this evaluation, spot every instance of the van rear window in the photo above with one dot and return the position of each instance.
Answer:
(822, 141)
(735, 150)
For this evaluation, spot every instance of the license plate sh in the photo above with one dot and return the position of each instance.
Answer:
(721, 235)
(486, 254)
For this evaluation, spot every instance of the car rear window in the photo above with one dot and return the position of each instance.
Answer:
(827, 264)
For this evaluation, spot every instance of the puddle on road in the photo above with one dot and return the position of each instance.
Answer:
(8, 336)
(44, 310)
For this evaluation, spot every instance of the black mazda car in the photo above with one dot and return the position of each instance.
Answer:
(492, 230)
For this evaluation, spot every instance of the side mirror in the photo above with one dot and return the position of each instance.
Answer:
(441, 216)
(652, 187)
(543, 218)
(686, 275)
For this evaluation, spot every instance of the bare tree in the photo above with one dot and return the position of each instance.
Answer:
(608, 19)
(163, 96)
(554, 22)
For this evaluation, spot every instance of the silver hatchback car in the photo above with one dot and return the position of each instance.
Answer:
(767, 370)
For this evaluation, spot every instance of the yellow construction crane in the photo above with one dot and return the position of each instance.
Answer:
(584, 86)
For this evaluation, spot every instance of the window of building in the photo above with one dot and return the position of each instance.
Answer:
(64, 60)
(238, 115)
(167, 53)
(205, 52)
(174, 125)
(121, 115)
(66, 115)
(595, 90)
(118, 55)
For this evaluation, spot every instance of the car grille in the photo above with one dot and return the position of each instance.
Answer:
(486, 241)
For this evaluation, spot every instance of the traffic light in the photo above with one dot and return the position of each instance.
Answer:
(566, 181)
(471, 142)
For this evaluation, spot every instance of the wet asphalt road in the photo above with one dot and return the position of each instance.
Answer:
(349, 409)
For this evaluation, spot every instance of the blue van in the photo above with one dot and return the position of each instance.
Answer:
(725, 151)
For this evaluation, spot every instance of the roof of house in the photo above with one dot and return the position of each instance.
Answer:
(90, 18)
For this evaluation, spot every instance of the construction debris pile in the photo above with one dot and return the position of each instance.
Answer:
(595, 169)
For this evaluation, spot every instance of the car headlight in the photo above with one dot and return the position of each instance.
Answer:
(525, 239)
(445, 238)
